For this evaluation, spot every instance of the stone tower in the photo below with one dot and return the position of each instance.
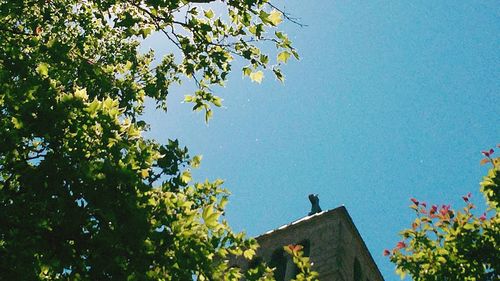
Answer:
(329, 238)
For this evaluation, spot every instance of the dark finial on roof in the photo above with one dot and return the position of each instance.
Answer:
(315, 208)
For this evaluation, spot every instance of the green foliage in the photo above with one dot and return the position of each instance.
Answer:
(83, 195)
(444, 244)
(303, 263)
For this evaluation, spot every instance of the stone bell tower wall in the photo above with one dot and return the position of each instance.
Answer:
(332, 242)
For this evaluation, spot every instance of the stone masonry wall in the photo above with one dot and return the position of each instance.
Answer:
(335, 246)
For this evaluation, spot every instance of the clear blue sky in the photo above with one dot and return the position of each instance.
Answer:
(390, 100)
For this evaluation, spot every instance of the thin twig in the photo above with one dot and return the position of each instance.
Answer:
(288, 16)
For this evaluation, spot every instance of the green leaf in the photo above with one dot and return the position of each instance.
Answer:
(18, 124)
(210, 216)
(247, 71)
(257, 76)
(186, 176)
(43, 69)
(401, 273)
(469, 226)
(278, 74)
(283, 56)
(81, 94)
(209, 13)
(212, 220)
(217, 101)
(223, 202)
(145, 32)
(249, 254)
(280, 35)
(208, 114)
(188, 98)
(195, 162)
(264, 16)
(253, 29)
(264, 59)
(93, 107)
(127, 66)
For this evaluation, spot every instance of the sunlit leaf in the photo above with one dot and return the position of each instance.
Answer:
(257, 76)
(209, 13)
(186, 176)
(283, 56)
(195, 162)
(43, 69)
(275, 17)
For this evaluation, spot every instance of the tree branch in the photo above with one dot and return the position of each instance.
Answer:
(201, 1)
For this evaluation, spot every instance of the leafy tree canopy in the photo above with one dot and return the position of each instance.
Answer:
(447, 244)
(83, 196)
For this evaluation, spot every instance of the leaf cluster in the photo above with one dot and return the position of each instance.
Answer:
(83, 195)
(447, 244)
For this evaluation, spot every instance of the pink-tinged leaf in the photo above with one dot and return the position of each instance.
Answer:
(483, 217)
(295, 248)
(415, 201)
(491, 151)
(424, 204)
(401, 245)
(484, 161)
(386, 252)
(485, 153)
